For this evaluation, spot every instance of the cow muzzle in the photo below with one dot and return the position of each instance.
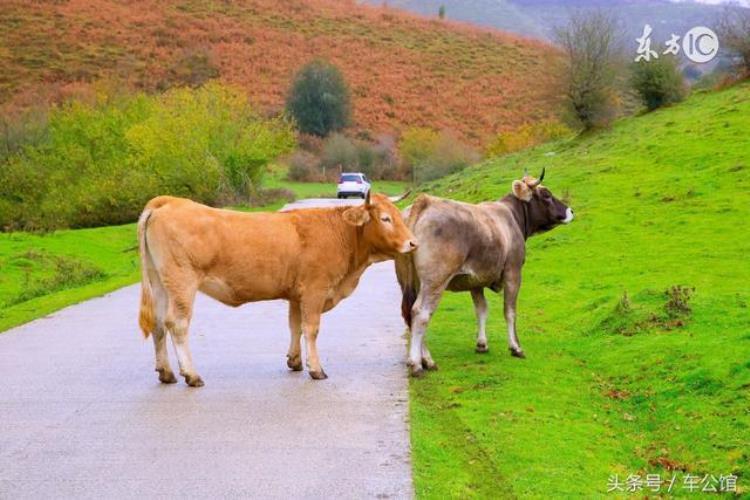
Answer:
(409, 246)
(568, 216)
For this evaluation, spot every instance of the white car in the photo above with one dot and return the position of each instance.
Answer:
(352, 184)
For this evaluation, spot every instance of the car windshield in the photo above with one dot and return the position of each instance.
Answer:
(349, 178)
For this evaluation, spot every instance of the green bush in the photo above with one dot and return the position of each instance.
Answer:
(102, 161)
(319, 99)
(658, 82)
(304, 167)
(526, 136)
(428, 154)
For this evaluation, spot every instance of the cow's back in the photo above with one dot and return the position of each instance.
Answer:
(470, 242)
(237, 257)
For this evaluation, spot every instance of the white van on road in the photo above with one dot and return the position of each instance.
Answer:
(352, 184)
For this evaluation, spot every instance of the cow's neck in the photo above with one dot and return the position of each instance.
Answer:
(362, 255)
(521, 214)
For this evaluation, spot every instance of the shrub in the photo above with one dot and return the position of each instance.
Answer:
(734, 33)
(428, 154)
(340, 151)
(101, 161)
(658, 82)
(527, 136)
(319, 99)
(304, 167)
(590, 43)
(678, 300)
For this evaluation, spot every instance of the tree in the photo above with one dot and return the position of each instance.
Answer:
(591, 44)
(734, 33)
(441, 11)
(319, 99)
(658, 82)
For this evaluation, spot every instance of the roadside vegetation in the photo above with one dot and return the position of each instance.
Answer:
(634, 319)
(97, 162)
(45, 272)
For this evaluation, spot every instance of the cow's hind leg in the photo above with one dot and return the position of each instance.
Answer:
(425, 305)
(294, 355)
(166, 375)
(159, 335)
(480, 308)
(311, 311)
(179, 313)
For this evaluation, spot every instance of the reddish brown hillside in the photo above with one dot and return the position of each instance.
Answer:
(403, 70)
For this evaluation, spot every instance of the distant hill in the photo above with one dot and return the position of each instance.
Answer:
(537, 18)
(404, 70)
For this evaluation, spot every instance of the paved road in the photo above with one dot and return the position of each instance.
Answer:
(83, 415)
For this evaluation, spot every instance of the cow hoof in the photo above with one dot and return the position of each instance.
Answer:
(416, 372)
(517, 353)
(194, 380)
(166, 376)
(321, 375)
(427, 365)
(482, 349)
(294, 364)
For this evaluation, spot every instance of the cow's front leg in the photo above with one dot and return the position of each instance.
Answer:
(480, 309)
(511, 286)
(294, 355)
(311, 312)
(426, 303)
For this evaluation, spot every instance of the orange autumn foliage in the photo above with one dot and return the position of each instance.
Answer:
(403, 70)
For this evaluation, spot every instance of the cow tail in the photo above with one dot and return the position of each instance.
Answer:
(406, 275)
(147, 318)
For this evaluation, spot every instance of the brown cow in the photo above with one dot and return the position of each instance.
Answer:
(465, 247)
(313, 258)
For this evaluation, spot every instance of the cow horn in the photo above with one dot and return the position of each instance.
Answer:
(396, 199)
(367, 198)
(534, 184)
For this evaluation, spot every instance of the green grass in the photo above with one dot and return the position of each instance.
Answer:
(618, 379)
(276, 178)
(41, 273)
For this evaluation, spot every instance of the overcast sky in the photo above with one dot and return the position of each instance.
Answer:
(744, 3)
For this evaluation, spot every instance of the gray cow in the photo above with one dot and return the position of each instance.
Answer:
(465, 247)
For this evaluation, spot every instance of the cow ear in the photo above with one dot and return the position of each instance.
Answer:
(357, 216)
(522, 191)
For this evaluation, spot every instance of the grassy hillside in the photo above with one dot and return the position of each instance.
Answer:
(404, 70)
(620, 378)
(44, 273)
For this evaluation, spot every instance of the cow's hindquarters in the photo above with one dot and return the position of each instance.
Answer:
(153, 303)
